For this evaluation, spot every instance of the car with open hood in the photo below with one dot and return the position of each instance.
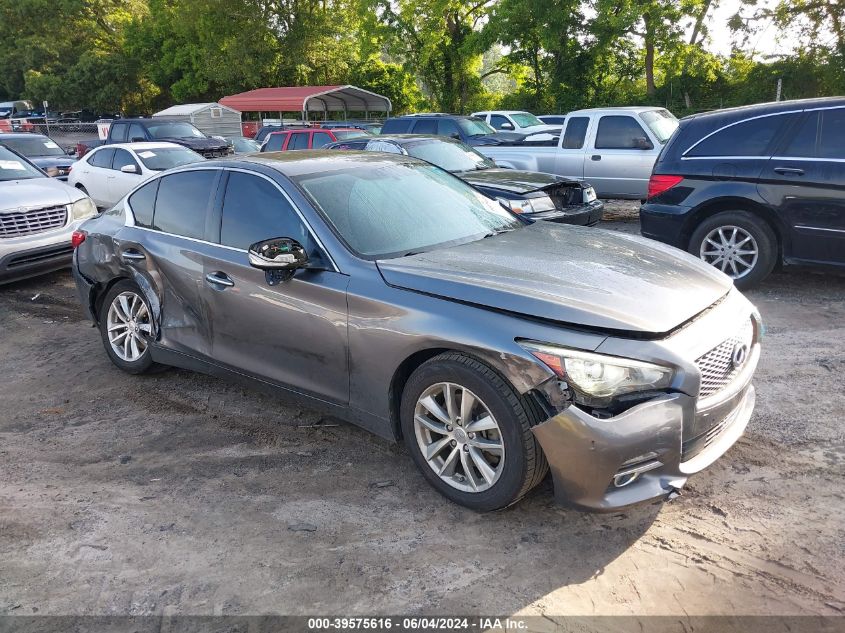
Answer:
(387, 291)
(535, 195)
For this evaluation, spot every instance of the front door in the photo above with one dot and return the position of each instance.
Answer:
(805, 182)
(292, 333)
(120, 183)
(617, 164)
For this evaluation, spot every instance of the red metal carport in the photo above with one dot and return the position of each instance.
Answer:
(305, 99)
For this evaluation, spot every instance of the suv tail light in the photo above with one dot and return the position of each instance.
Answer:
(659, 184)
(77, 237)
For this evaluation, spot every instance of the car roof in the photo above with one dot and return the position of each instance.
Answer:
(636, 109)
(432, 115)
(142, 146)
(22, 135)
(502, 112)
(306, 162)
(772, 107)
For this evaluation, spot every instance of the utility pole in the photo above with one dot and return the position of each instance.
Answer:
(780, 88)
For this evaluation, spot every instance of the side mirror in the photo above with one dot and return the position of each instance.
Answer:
(279, 258)
(129, 169)
(641, 142)
(506, 126)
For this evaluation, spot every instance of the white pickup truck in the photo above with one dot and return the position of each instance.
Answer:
(614, 149)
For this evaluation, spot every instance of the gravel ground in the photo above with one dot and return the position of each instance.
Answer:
(180, 494)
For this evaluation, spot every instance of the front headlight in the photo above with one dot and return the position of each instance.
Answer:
(528, 205)
(83, 209)
(596, 378)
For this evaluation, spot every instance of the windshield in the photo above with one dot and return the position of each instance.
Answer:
(13, 167)
(526, 119)
(341, 135)
(662, 123)
(34, 146)
(162, 158)
(245, 145)
(451, 156)
(388, 210)
(474, 127)
(174, 129)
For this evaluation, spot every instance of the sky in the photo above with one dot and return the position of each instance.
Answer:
(767, 41)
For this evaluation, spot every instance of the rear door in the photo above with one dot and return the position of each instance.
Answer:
(620, 157)
(292, 333)
(569, 158)
(298, 140)
(96, 170)
(805, 183)
(166, 246)
(321, 139)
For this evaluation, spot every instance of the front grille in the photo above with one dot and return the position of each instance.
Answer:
(20, 223)
(717, 367)
(215, 153)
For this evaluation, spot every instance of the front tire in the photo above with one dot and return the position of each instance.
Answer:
(126, 328)
(739, 244)
(469, 433)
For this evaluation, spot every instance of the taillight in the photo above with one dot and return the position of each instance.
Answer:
(658, 184)
(77, 238)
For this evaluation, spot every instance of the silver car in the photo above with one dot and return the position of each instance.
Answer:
(389, 292)
(38, 216)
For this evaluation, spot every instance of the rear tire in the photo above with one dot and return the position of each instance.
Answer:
(739, 244)
(480, 451)
(126, 328)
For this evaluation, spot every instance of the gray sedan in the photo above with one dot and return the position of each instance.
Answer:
(390, 293)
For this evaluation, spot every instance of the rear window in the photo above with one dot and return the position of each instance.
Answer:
(749, 138)
(396, 126)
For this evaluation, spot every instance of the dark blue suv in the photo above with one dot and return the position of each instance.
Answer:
(748, 188)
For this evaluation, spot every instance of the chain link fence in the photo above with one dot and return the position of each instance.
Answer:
(67, 134)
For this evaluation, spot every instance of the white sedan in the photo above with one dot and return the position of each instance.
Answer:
(108, 173)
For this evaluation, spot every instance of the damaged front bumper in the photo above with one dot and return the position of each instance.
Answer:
(640, 455)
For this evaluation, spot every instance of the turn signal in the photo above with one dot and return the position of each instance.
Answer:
(77, 238)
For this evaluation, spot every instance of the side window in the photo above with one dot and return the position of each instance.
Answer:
(320, 139)
(136, 131)
(121, 158)
(426, 126)
(255, 210)
(118, 132)
(275, 142)
(182, 203)
(447, 127)
(497, 121)
(618, 132)
(298, 140)
(749, 138)
(142, 203)
(832, 137)
(576, 132)
(102, 158)
(805, 138)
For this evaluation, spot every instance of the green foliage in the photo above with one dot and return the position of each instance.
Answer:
(453, 55)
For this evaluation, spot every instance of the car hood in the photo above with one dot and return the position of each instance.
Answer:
(196, 143)
(512, 180)
(44, 162)
(36, 192)
(569, 274)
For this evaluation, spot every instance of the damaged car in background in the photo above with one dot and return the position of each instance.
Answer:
(386, 291)
(534, 195)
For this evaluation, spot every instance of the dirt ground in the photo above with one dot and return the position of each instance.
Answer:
(181, 494)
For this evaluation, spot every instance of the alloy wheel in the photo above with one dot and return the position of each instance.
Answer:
(459, 437)
(128, 324)
(731, 249)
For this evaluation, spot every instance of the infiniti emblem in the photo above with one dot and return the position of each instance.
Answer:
(739, 355)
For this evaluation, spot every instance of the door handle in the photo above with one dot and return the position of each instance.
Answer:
(789, 171)
(595, 157)
(219, 279)
(133, 254)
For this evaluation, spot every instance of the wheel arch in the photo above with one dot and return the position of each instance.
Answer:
(735, 203)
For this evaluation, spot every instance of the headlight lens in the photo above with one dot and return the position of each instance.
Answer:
(82, 209)
(598, 378)
(529, 205)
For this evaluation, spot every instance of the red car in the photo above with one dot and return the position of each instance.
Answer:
(313, 138)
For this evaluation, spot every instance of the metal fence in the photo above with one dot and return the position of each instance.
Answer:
(66, 135)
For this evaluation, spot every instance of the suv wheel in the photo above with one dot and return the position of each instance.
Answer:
(739, 244)
(126, 327)
(469, 433)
